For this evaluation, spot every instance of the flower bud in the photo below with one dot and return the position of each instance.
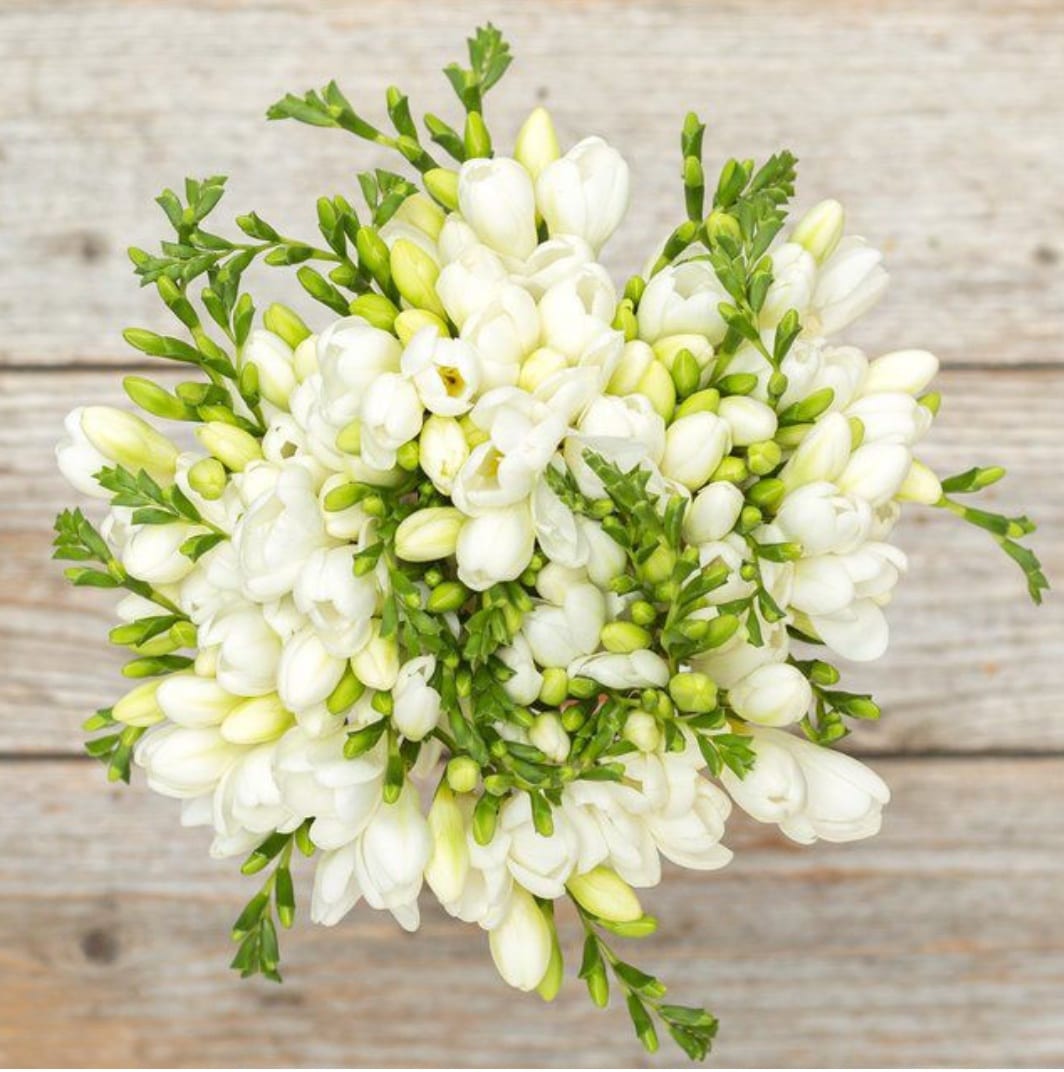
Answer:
(762, 458)
(906, 371)
(624, 637)
(713, 513)
(605, 894)
(410, 321)
(305, 358)
(448, 866)
(442, 183)
(208, 478)
(308, 672)
(377, 664)
(442, 451)
(521, 944)
(286, 324)
(776, 694)
(415, 273)
(128, 441)
(232, 446)
(820, 229)
(153, 553)
(641, 728)
(555, 687)
(496, 198)
(271, 359)
(429, 534)
(423, 213)
(376, 309)
(256, 721)
(537, 142)
(822, 454)
(548, 735)
(139, 707)
(462, 774)
(920, 486)
(750, 421)
(496, 546)
(693, 692)
(194, 701)
(694, 447)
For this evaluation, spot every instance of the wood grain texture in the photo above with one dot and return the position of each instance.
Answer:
(937, 943)
(966, 638)
(938, 124)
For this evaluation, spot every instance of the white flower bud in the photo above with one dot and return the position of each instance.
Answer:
(232, 446)
(496, 546)
(584, 193)
(793, 279)
(694, 446)
(448, 866)
(820, 229)
(470, 280)
(525, 685)
(575, 310)
(377, 664)
(495, 196)
(307, 672)
(153, 553)
(442, 451)
(537, 142)
(139, 707)
(194, 701)
(773, 695)
(184, 763)
(605, 894)
(908, 371)
(274, 360)
(128, 441)
(429, 534)
(78, 460)
(445, 372)
(713, 513)
(876, 472)
(822, 455)
(548, 735)
(920, 486)
(521, 943)
(750, 421)
(682, 298)
(641, 728)
(551, 262)
(256, 721)
(417, 704)
(636, 670)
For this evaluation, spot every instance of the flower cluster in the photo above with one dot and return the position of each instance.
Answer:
(502, 581)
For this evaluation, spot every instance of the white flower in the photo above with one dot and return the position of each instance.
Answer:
(821, 519)
(541, 864)
(713, 513)
(182, 762)
(471, 279)
(273, 360)
(773, 695)
(445, 372)
(875, 472)
(682, 298)
(248, 651)
(821, 455)
(750, 421)
(503, 332)
(442, 451)
(194, 701)
(575, 310)
(246, 806)
(692, 838)
(338, 604)
(376, 665)
(78, 460)
(635, 670)
(351, 355)
(391, 415)
(417, 703)
(496, 545)
(694, 446)
(810, 791)
(496, 199)
(559, 532)
(521, 943)
(585, 192)
(153, 553)
(794, 274)
(524, 686)
(281, 529)
(308, 671)
(551, 262)
(447, 871)
(820, 229)
(908, 371)
(850, 282)
(559, 634)
(630, 417)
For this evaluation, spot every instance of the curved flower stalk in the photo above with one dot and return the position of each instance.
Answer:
(568, 559)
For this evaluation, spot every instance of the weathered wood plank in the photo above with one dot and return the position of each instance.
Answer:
(937, 943)
(938, 124)
(973, 666)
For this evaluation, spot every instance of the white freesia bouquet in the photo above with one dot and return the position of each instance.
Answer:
(499, 579)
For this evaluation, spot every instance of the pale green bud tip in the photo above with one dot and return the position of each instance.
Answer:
(448, 596)
(537, 142)
(555, 686)
(138, 706)
(624, 637)
(129, 441)
(208, 478)
(551, 983)
(283, 322)
(693, 692)
(442, 184)
(414, 273)
(820, 229)
(462, 774)
(376, 309)
(410, 321)
(605, 894)
(349, 438)
(232, 446)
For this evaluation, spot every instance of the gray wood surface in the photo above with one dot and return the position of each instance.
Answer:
(940, 124)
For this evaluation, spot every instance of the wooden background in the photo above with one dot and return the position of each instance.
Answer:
(940, 124)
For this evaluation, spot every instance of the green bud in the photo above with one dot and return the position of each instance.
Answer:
(344, 496)
(477, 138)
(931, 401)
(447, 597)
(707, 401)
(442, 184)
(821, 673)
(349, 438)
(809, 408)
(738, 383)
(625, 321)
(555, 686)
(763, 457)
(767, 494)
(572, 719)
(643, 613)
(376, 309)
(284, 322)
(348, 690)
(155, 400)
(731, 469)
(373, 255)
(685, 373)
(692, 692)
(721, 224)
(485, 817)
(208, 478)
(624, 637)
(233, 447)
(659, 566)
(721, 630)
(414, 273)
(856, 432)
(633, 289)
(749, 519)
(551, 982)
(408, 456)
(582, 688)
(777, 384)
(462, 774)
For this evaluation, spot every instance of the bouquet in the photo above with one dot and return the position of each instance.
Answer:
(491, 576)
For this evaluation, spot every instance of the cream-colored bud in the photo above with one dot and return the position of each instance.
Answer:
(415, 273)
(641, 728)
(305, 358)
(448, 866)
(429, 534)
(129, 441)
(605, 894)
(139, 707)
(549, 736)
(423, 213)
(539, 366)
(256, 721)
(232, 446)
(920, 486)
(208, 478)
(820, 229)
(537, 142)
